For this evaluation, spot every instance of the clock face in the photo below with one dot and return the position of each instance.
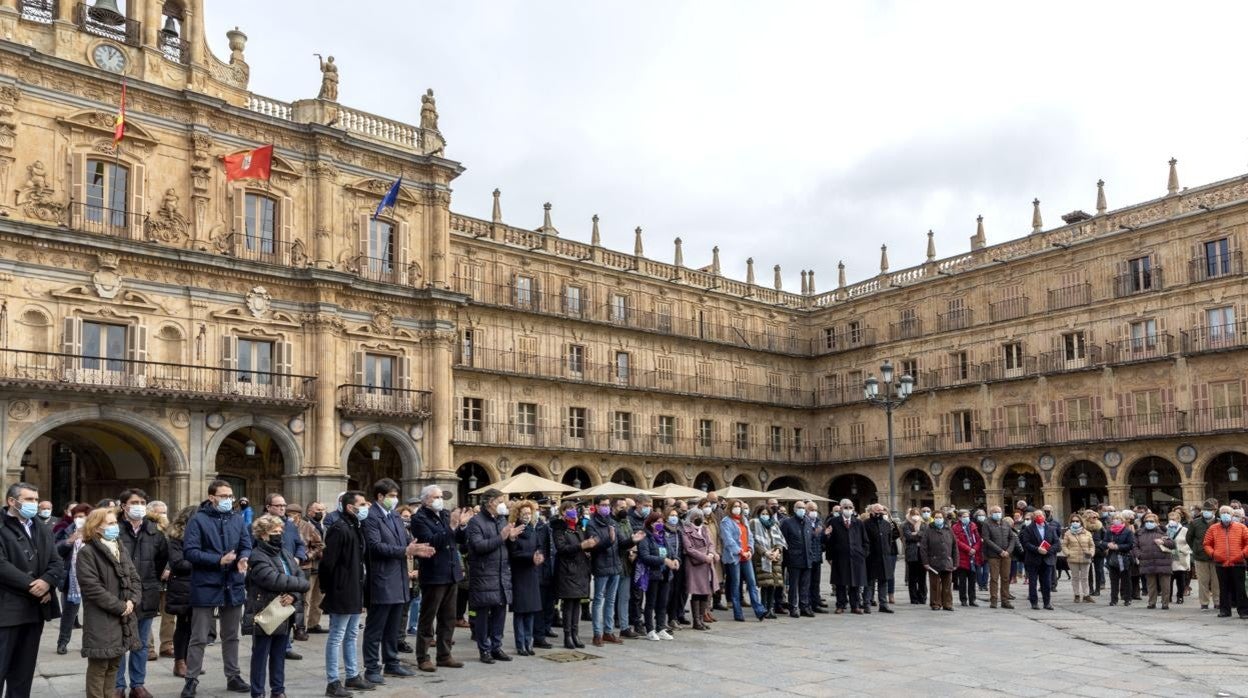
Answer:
(109, 58)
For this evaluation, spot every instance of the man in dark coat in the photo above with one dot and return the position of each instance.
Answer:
(607, 568)
(489, 576)
(149, 551)
(217, 544)
(1039, 560)
(546, 578)
(388, 548)
(342, 589)
(847, 547)
(30, 571)
(882, 540)
(818, 544)
(440, 576)
(799, 546)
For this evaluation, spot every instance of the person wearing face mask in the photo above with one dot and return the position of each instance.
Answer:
(1181, 557)
(700, 556)
(970, 557)
(315, 517)
(1119, 543)
(847, 549)
(1000, 541)
(342, 588)
(771, 544)
(628, 562)
(439, 577)
(1206, 572)
(526, 557)
(489, 576)
(717, 566)
(608, 569)
(636, 597)
(882, 542)
(111, 596)
(149, 552)
(939, 553)
(27, 552)
(45, 514)
(1096, 571)
(67, 541)
(738, 548)
(1155, 557)
(274, 574)
(980, 518)
(572, 574)
(819, 544)
(1079, 547)
(916, 576)
(676, 594)
(800, 555)
(1040, 543)
(656, 563)
(178, 589)
(1226, 544)
(218, 545)
(314, 543)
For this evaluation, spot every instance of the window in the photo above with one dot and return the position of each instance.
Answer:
(857, 433)
(103, 346)
(619, 307)
(576, 422)
(1220, 324)
(855, 332)
(663, 367)
(1217, 258)
(703, 375)
(909, 323)
(378, 373)
(773, 385)
(797, 438)
(1148, 407)
(380, 247)
(576, 360)
(260, 219)
(910, 367)
(622, 426)
(777, 438)
(832, 436)
(743, 435)
(471, 411)
(963, 423)
(701, 325)
(526, 354)
(1074, 346)
(706, 432)
(1140, 274)
(526, 418)
(960, 362)
(663, 314)
(1013, 356)
(1228, 399)
(107, 192)
(572, 303)
(829, 338)
(1017, 419)
(667, 429)
(1079, 413)
(523, 291)
(255, 361)
(621, 367)
(1143, 335)
(467, 347)
(853, 382)
(911, 428)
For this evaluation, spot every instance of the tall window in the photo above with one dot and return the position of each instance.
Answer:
(1228, 399)
(1141, 274)
(524, 291)
(1074, 346)
(107, 192)
(103, 346)
(378, 373)
(960, 362)
(1013, 356)
(706, 432)
(777, 438)
(576, 422)
(572, 303)
(471, 412)
(667, 429)
(526, 418)
(576, 360)
(380, 247)
(1148, 407)
(663, 314)
(621, 367)
(910, 367)
(854, 330)
(1079, 413)
(255, 361)
(963, 423)
(663, 367)
(1220, 324)
(619, 307)
(743, 435)
(1017, 419)
(622, 426)
(1217, 258)
(858, 433)
(1143, 335)
(260, 218)
(467, 347)
(829, 338)
(797, 438)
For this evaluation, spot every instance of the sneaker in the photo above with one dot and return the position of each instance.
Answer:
(664, 635)
(334, 690)
(655, 636)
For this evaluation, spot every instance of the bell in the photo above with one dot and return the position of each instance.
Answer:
(106, 12)
(171, 28)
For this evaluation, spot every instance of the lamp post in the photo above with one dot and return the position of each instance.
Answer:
(892, 397)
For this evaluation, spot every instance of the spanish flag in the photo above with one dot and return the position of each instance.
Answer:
(119, 128)
(249, 164)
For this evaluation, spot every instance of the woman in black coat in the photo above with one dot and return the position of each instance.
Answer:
(526, 557)
(916, 576)
(178, 589)
(572, 575)
(272, 574)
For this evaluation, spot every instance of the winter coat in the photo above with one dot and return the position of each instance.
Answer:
(1227, 545)
(526, 590)
(313, 542)
(1079, 547)
(1181, 556)
(998, 538)
(65, 548)
(882, 540)
(1031, 537)
(730, 538)
(149, 551)
(268, 579)
(605, 556)
(847, 550)
(178, 586)
(572, 563)
(434, 528)
(489, 574)
(699, 572)
(210, 535)
(624, 531)
(970, 545)
(546, 544)
(1155, 547)
(1120, 558)
(342, 568)
(385, 553)
(23, 559)
(711, 527)
(937, 549)
(911, 534)
(652, 553)
(767, 537)
(1196, 531)
(107, 582)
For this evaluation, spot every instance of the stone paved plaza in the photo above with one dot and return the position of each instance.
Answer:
(1084, 649)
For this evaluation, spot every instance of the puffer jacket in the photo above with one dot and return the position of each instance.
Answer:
(149, 551)
(1079, 547)
(1181, 560)
(209, 535)
(1196, 531)
(1154, 547)
(1227, 545)
(489, 570)
(107, 582)
(178, 586)
(1125, 540)
(937, 549)
(571, 562)
(267, 579)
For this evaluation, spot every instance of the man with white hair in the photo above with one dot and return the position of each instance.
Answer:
(847, 547)
(439, 576)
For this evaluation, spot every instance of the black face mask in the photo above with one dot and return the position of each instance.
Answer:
(275, 540)
(877, 516)
(317, 517)
(621, 514)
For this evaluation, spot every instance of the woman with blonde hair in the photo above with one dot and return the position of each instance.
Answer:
(111, 591)
(526, 557)
(1079, 547)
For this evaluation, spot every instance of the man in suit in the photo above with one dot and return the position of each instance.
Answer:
(30, 572)
(847, 548)
(387, 548)
(440, 575)
(799, 555)
(1039, 563)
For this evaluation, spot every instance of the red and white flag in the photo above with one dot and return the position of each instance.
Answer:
(249, 164)
(119, 127)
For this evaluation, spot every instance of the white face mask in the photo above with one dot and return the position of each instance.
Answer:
(80, 522)
(437, 504)
(736, 511)
(706, 511)
(501, 509)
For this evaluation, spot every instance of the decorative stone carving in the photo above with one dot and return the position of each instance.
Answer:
(346, 428)
(106, 280)
(215, 421)
(415, 275)
(298, 253)
(19, 409)
(1046, 462)
(556, 466)
(383, 319)
(936, 467)
(36, 197)
(296, 425)
(259, 301)
(329, 79)
(180, 419)
(504, 466)
(167, 225)
(428, 111)
(417, 432)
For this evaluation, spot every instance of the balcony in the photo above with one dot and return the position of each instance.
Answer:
(1008, 309)
(950, 376)
(117, 223)
(844, 340)
(839, 395)
(174, 48)
(45, 372)
(955, 320)
(1220, 266)
(1216, 419)
(1059, 361)
(1070, 296)
(1079, 430)
(1142, 281)
(379, 269)
(265, 249)
(120, 29)
(1020, 435)
(1020, 367)
(1200, 340)
(38, 11)
(1147, 348)
(906, 329)
(372, 401)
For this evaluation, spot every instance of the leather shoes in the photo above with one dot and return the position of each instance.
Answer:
(806, 613)
(1047, 607)
(486, 658)
(597, 641)
(612, 639)
(139, 692)
(293, 656)
(359, 683)
(500, 656)
(399, 670)
(237, 685)
(167, 653)
(62, 649)
(451, 663)
(119, 693)
(542, 644)
(405, 647)
(300, 636)
(426, 664)
(885, 609)
(179, 668)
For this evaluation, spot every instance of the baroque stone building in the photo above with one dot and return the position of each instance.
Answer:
(162, 327)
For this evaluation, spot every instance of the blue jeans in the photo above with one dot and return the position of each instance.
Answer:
(981, 576)
(413, 616)
(604, 593)
(268, 652)
(137, 659)
(522, 629)
(623, 594)
(343, 630)
(734, 574)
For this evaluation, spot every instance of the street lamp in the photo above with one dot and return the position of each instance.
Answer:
(1083, 479)
(888, 398)
(916, 485)
(577, 483)
(966, 482)
(375, 452)
(1154, 477)
(472, 482)
(1232, 474)
(249, 448)
(1022, 482)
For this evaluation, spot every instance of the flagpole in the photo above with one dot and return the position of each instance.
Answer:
(121, 117)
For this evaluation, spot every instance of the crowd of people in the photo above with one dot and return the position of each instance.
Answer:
(638, 568)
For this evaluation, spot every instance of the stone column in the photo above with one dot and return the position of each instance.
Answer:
(1118, 496)
(439, 466)
(193, 27)
(439, 236)
(940, 497)
(1194, 492)
(151, 23)
(64, 11)
(325, 420)
(10, 5)
(994, 497)
(1055, 497)
(323, 243)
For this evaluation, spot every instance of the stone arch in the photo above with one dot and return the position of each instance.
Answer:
(1200, 469)
(169, 446)
(531, 468)
(664, 477)
(490, 470)
(1059, 471)
(409, 455)
(634, 478)
(745, 480)
(579, 473)
(708, 478)
(783, 481)
(292, 452)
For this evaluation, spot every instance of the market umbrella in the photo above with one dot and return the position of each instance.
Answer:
(609, 489)
(676, 491)
(734, 492)
(792, 494)
(523, 484)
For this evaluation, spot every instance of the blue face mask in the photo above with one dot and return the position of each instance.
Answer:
(1150, 525)
(645, 511)
(1208, 515)
(939, 523)
(1076, 527)
(996, 516)
(1226, 518)
(225, 506)
(361, 513)
(673, 521)
(980, 519)
(111, 532)
(765, 518)
(966, 520)
(29, 510)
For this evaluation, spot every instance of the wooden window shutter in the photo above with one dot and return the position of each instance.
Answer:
(357, 367)
(138, 200)
(1096, 407)
(284, 364)
(403, 254)
(286, 222)
(1125, 405)
(240, 213)
(72, 338)
(998, 418)
(511, 412)
(403, 366)
(364, 224)
(1167, 400)
(1031, 414)
(78, 181)
(136, 348)
(229, 352)
(1057, 411)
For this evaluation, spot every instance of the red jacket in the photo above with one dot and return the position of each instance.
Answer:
(969, 546)
(1227, 545)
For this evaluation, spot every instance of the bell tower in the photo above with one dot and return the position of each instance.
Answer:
(157, 41)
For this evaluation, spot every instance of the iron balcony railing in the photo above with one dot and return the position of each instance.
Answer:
(1218, 266)
(260, 248)
(380, 269)
(1146, 348)
(955, 320)
(905, 329)
(1059, 361)
(1070, 296)
(372, 400)
(846, 339)
(1199, 340)
(113, 222)
(1001, 369)
(953, 375)
(39, 11)
(1142, 281)
(1008, 309)
(126, 31)
(50, 371)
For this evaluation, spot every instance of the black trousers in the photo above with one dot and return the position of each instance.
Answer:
(1042, 574)
(1231, 590)
(851, 596)
(437, 605)
(965, 581)
(182, 635)
(1119, 581)
(1098, 569)
(1178, 584)
(489, 624)
(571, 615)
(382, 629)
(799, 589)
(636, 599)
(916, 582)
(541, 624)
(816, 578)
(656, 604)
(676, 597)
(19, 648)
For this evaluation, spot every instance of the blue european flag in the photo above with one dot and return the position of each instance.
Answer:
(390, 199)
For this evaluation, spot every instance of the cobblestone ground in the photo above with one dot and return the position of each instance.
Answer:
(1078, 649)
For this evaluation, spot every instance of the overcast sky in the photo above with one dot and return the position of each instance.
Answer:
(798, 133)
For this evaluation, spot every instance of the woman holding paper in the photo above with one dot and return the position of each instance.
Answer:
(1155, 558)
(273, 577)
